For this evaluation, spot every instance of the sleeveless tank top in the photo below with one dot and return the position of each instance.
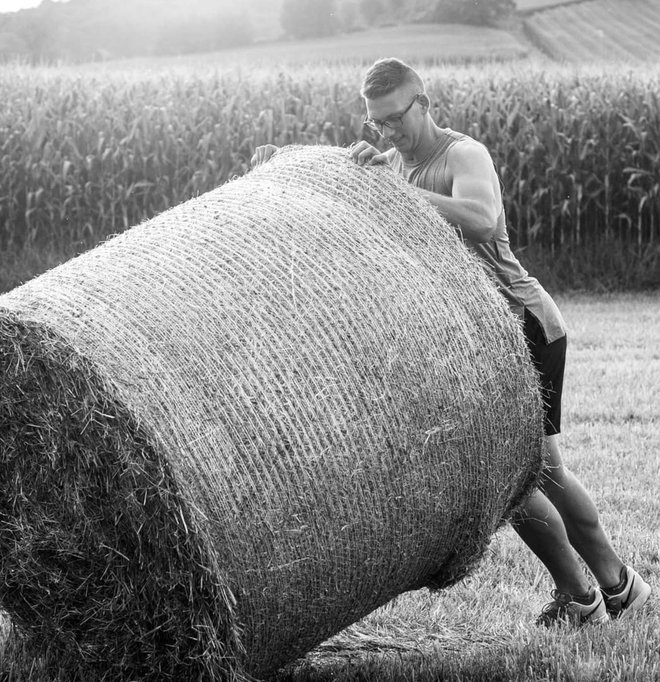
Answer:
(522, 292)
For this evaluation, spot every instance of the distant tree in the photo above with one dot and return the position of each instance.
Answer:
(372, 10)
(12, 46)
(40, 33)
(211, 32)
(82, 30)
(309, 18)
(349, 15)
(479, 12)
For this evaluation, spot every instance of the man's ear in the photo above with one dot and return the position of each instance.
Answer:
(424, 100)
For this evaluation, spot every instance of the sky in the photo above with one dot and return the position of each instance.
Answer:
(14, 5)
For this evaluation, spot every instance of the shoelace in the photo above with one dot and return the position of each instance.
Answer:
(560, 601)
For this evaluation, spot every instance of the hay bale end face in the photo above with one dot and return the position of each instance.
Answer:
(243, 425)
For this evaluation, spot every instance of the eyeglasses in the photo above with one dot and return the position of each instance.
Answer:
(393, 122)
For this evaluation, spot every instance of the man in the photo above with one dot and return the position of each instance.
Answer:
(457, 176)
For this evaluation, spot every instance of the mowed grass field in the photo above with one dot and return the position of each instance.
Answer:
(483, 628)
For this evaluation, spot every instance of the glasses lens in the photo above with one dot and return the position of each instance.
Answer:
(393, 123)
(379, 126)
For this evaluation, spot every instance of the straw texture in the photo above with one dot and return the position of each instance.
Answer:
(241, 426)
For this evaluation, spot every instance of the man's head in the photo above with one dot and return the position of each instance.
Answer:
(396, 102)
(387, 75)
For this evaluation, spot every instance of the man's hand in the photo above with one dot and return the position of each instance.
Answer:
(365, 154)
(262, 154)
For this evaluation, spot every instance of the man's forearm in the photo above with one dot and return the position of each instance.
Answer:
(476, 222)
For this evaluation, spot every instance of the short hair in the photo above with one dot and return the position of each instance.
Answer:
(386, 75)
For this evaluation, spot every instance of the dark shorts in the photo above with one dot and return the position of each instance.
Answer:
(549, 359)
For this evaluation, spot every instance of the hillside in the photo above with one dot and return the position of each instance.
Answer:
(81, 30)
(85, 30)
(597, 30)
(101, 30)
(527, 6)
(419, 43)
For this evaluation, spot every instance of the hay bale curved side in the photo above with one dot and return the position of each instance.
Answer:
(339, 398)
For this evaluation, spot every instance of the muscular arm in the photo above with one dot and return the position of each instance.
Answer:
(475, 202)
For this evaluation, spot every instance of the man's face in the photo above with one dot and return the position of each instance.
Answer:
(399, 117)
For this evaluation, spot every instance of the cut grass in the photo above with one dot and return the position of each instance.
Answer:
(482, 628)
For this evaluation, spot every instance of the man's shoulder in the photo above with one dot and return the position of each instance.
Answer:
(465, 143)
(467, 149)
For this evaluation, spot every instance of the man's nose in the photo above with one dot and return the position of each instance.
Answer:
(387, 132)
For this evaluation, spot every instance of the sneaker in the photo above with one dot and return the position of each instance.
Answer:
(631, 598)
(563, 610)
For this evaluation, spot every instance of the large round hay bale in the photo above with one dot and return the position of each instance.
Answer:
(241, 426)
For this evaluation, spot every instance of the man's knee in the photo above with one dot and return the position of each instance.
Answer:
(568, 495)
(554, 476)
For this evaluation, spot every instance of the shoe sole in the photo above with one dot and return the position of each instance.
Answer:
(597, 621)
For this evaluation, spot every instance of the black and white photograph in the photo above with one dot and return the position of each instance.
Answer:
(329, 340)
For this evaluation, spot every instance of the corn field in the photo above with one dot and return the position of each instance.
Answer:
(87, 154)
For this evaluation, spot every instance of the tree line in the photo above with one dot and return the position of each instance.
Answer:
(86, 30)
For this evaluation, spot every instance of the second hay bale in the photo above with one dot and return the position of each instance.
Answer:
(308, 382)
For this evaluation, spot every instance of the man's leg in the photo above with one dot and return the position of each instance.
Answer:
(580, 517)
(562, 516)
(541, 528)
(574, 601)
